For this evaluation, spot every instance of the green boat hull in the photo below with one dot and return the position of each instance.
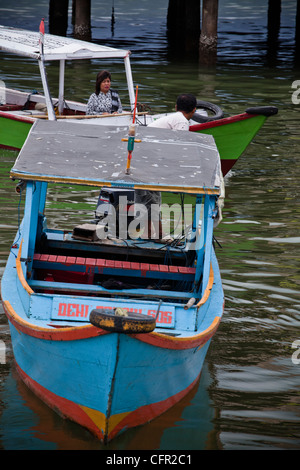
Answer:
(13, 131)
(232, 135)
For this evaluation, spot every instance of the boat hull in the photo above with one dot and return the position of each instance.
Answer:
(107, 382)
(232, 135)
(13, 131)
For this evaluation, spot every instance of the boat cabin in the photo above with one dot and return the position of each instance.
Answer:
(91, 258)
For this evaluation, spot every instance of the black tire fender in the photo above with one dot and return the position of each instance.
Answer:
(215, 109)
(263, 110)
(127, 322)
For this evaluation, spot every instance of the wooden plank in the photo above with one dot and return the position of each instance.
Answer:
(70, 260)
(86, 116)
(93, 289)
(93, 266)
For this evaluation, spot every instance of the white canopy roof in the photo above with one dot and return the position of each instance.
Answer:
(26, 43)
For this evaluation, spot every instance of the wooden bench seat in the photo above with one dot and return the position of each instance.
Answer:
(109, 267)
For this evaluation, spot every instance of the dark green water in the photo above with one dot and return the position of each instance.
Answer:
(248, 395)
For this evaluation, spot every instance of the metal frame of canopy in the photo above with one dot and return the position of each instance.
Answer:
(26, 43)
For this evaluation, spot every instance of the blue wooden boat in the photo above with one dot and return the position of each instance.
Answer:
(111, 331)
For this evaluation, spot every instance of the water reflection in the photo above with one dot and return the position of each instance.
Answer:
(257, 408)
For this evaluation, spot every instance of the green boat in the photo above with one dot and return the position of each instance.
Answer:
(19, 110)
(233, 134)
(13, 130)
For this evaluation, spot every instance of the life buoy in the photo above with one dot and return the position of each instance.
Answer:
(216, 110)
(121, 321)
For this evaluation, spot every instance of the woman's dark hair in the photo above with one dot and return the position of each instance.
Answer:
(100, 77)
(186, 102)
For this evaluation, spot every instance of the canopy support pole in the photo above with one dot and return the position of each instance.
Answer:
(129, 82)
(61, 86)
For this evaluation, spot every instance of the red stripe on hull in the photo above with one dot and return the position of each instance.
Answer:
(62, 406)
(147, 413)
(168, 342)
(227, 164)
(90, 331)
(13, 117)
(52, 333)
(8, 147)
(70, 410)
(221, 122)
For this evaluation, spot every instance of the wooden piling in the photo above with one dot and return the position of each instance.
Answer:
(183, 26)
(209, 32)
(274, 14)
(82, 25)
(297, 34)
(273, 30)
(58, 17)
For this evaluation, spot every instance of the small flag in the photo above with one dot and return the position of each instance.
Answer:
(42, 26)
(41, 40)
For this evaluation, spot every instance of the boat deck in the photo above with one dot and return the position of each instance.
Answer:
(139, 267)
